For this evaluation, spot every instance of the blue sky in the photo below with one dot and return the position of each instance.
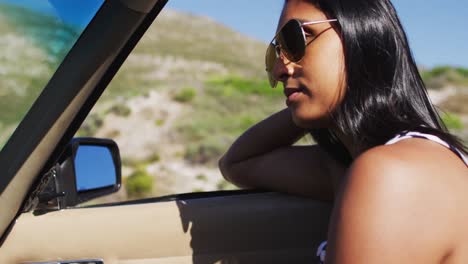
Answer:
(65, 10)
(437, 30)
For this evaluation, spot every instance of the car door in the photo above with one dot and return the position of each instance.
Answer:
(213, 227)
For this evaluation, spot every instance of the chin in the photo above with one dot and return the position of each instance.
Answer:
(310, 120)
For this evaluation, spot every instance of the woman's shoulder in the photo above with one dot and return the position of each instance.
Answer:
(414, 163)
(408, 191)
(417, 156)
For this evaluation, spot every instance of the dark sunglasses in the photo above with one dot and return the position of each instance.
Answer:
(290, 42)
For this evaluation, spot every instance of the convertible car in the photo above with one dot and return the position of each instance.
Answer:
(46, 174)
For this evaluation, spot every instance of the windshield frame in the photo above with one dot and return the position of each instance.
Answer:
(58, 113)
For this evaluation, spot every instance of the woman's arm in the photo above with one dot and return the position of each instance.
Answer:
(263, 157)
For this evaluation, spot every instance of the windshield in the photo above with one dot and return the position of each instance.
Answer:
(35, 37)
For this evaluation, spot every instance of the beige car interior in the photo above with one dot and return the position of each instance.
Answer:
(19, 186)
(251, 228)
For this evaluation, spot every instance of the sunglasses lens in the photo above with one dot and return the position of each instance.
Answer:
(292, 40)
(270, 57)
(270, 60)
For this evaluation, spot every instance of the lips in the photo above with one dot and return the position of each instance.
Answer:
(290, 91)
(293, 95)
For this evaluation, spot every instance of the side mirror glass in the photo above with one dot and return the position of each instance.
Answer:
(94, 168)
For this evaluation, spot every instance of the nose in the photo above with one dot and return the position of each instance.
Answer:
(283, 68)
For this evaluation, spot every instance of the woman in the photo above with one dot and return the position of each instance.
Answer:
(397, 178)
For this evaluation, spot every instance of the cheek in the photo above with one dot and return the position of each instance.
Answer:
(325, 67)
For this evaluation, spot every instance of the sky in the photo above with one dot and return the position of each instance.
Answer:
(77, 13)
(437, 30)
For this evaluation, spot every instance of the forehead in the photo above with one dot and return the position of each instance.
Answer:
(302, 10)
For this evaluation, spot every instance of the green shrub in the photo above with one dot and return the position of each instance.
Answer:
(129, 162)
(456, 104)
(441, 76)
(202, 177)
(91, 125)
(225, 185)
(120, 110)
(208, 151)
(154, 158)
(440, 70)
(463, 72)
(228, 107)
(227, 86)
(139, 184)
(159, 122)
(185, 95)
(247, 121)
(112, 134)
(452, 121)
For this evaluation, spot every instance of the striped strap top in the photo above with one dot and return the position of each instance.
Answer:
(406, 134)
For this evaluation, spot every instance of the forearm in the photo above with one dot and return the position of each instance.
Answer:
(275, 132)
(263, 157)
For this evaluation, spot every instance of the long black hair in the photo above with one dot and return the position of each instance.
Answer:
(385, 93)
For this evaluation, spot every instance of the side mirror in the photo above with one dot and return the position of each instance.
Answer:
(89, 168)
(97, 168)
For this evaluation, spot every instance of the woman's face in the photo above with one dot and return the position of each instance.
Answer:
(315, 85)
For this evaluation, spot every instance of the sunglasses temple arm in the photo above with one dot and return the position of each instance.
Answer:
(318, 22)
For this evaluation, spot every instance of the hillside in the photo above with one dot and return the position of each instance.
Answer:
(182, 49)
(178, 101)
